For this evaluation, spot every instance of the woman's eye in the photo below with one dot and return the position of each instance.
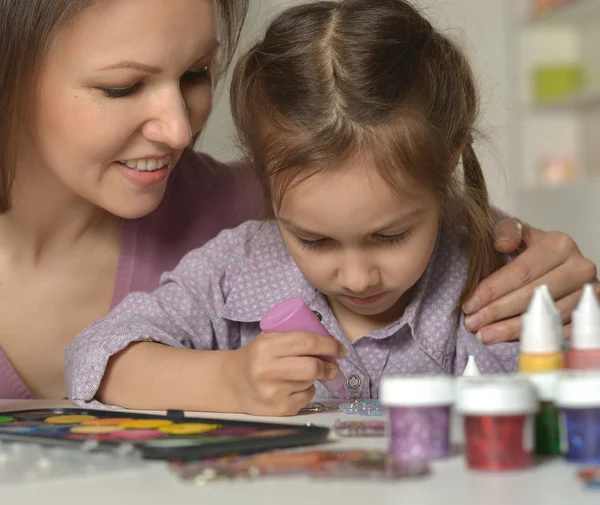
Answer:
(196, 75)
(399, 238)
(118, 92)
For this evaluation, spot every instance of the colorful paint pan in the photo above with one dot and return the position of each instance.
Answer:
(6, 419)
(68, 419)
(110, 421)
(136, 435)
(83, 437)
(96, 430)
(20, 424)
(188, 428)
(17, 429)
(145, 424)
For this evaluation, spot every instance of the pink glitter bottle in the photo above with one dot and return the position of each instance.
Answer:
(294, 315)
(419, 409)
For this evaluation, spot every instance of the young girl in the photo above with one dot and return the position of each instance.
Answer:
(358, 117)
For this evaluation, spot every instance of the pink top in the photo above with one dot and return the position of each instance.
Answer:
(203, 198)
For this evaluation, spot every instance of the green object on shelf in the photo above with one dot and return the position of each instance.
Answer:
(556, 82)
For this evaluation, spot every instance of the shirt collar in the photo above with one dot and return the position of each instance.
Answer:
(268, 276)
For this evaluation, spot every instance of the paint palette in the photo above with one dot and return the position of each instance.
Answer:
(170, 437)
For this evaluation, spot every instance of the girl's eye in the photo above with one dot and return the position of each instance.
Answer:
(311, 245)
(118, 92)
(196, 75)
(399, 238)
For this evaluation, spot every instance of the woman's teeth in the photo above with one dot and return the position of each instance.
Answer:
(148, 165)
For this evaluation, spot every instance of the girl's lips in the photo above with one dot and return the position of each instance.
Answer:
(143, 179)
(364, 301)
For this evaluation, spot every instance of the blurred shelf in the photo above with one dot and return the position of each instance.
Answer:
(576, 12)
(584, 102)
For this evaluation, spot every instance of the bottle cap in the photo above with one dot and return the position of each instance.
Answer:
(500, 395)
(541, 334)
(553, 308)
(586, 321)
(471, 370)
(544, 384)
(578, 390)
(417, 391)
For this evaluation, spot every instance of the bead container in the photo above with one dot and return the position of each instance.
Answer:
(498, 422)
(578, 397)
(419, 414)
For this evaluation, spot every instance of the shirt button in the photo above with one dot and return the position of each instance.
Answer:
(318, 314)
(353, 381)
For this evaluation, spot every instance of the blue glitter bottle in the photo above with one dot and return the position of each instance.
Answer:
(578, 397)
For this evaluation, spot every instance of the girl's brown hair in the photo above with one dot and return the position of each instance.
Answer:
(27, 29)
(332, 80)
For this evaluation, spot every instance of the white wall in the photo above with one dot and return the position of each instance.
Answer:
(218, 138)
(480, 26)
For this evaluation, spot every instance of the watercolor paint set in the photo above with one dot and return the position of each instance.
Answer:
(169, 437)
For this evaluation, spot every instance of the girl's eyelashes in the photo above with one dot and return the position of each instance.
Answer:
(190, 77)
(311, 245)
(399, 238)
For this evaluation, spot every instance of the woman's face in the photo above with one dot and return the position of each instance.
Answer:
(125, 88)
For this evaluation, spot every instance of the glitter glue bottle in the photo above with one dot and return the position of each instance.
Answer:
(578, 397)
(456, 420)
(547, 431)
(471, 370)
(498, 421)
(294, 315)
(584, 353)
(419, 410)
(542, 335)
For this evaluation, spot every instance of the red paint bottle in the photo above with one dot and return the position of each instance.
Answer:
(498, 422)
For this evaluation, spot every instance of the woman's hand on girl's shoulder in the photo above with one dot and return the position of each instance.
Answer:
(551, 258)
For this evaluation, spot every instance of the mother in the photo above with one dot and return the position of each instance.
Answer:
(99, 193)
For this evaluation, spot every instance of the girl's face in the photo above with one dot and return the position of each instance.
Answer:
(125, 87)
(356, 241)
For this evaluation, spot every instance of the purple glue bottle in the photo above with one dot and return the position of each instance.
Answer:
(294, 315)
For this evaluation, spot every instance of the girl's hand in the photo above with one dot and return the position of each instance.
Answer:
(551, 258)
(273, 375)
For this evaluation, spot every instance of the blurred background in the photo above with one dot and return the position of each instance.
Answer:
(538, 67)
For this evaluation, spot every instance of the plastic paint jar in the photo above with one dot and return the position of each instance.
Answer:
(419, 410)
(547, 426)
(498, 421)
(578, 397)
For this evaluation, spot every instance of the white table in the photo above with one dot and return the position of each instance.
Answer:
(554, 483)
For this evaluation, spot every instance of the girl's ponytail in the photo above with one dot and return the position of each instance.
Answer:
(483, 258)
